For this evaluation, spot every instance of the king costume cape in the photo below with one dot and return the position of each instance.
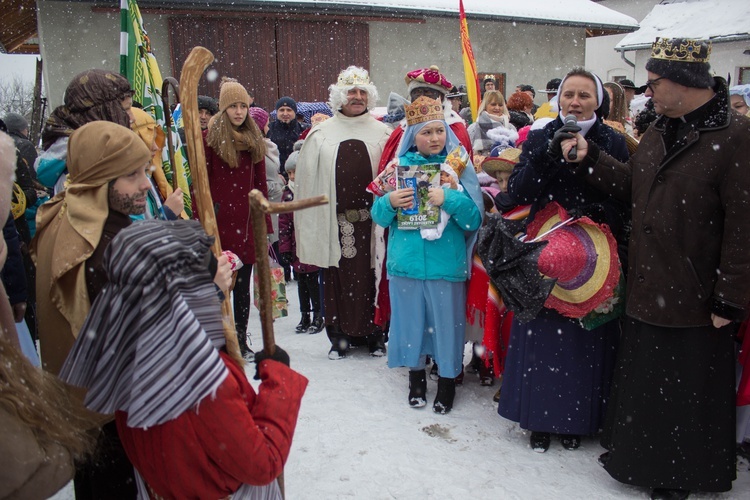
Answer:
(317, 174)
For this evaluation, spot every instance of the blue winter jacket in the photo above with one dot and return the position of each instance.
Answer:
(410, 256)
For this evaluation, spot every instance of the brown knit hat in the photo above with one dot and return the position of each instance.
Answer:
(231, 91)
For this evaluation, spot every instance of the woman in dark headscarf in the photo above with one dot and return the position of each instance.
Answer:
(557, 373)
(95, 94)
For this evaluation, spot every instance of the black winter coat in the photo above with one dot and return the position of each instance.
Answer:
(538, 179)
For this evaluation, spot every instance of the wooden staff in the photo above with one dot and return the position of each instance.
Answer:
(170, 82)
(259, 207)
(195, 64)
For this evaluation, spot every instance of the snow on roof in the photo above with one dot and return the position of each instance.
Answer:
(583, 13)
(718, 20)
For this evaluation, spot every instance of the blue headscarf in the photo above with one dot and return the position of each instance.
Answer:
(468, 178)
(743, 90)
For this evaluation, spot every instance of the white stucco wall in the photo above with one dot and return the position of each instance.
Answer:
(527, 53)
(601, 57)
(74, 39)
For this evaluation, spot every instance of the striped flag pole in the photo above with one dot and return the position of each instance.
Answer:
(470, 67)
(138, 64)
(124, 37)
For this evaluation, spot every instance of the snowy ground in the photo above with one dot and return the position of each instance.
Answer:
(357, 438)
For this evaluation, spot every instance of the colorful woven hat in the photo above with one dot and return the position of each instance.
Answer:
(501, 161)
(581, 255)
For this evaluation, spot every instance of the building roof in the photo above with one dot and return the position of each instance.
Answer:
(17, 25)
(583, 13)
(716, 20)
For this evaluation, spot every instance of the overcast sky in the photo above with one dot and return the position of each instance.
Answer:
(21, 65)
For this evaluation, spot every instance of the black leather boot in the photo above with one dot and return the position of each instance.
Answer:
(303, 324)
(417, 388)
(317, 325)
(446, 392)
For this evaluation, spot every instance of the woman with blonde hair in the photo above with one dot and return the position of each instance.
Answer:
(235, 160)
(492, 113)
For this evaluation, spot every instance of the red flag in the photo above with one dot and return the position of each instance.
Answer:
(470, 67)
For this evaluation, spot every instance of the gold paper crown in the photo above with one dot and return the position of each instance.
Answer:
(353, 76)
(681, 50)
(423, 110)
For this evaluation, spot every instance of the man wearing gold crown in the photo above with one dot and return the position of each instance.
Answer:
(339, 157)
(671, 421)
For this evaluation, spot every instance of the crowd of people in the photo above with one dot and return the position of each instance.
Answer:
(595, 256)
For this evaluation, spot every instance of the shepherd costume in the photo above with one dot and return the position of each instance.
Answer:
(153, 352)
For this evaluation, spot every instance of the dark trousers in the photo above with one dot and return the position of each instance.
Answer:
(242, 304)
(308, 290)
(108, 473)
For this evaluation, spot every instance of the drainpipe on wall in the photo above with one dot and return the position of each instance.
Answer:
(627, 61)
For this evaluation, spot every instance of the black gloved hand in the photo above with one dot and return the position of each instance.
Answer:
(279, 355)
(286, 259)
(567, 131)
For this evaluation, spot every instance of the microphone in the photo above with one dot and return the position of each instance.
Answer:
(571, 120)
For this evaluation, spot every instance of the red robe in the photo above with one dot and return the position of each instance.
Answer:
(236, 437)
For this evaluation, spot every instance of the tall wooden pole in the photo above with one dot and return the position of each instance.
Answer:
(259, 207)
(195, 64)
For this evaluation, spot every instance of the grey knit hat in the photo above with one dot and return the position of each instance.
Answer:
(15, 123)
(291, 161)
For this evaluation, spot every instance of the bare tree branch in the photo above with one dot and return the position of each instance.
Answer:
(16, 96)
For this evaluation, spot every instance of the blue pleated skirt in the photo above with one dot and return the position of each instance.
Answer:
(427, 318)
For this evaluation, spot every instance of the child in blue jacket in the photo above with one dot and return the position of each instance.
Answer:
(428, 268)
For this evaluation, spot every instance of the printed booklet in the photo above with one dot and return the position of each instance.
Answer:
(419, 177)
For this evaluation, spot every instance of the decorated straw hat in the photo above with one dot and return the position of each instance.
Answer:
(581, 255)
(501, 161)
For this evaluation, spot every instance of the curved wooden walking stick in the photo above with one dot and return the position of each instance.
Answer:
(170, 82)
(195, 64)
(259, 207)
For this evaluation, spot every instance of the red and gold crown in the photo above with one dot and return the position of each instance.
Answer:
(423, 109)
(681, 50)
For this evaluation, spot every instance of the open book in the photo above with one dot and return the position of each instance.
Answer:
(419, 177)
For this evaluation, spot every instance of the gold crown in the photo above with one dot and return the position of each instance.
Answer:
(681, 50)
(423, 110)
(353, 76)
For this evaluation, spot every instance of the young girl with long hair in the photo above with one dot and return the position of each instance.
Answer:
(235, 159)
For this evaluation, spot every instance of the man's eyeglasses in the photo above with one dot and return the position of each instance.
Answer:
(649, 83)
(425, 91)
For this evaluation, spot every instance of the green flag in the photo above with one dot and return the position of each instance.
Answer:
(139, 66)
